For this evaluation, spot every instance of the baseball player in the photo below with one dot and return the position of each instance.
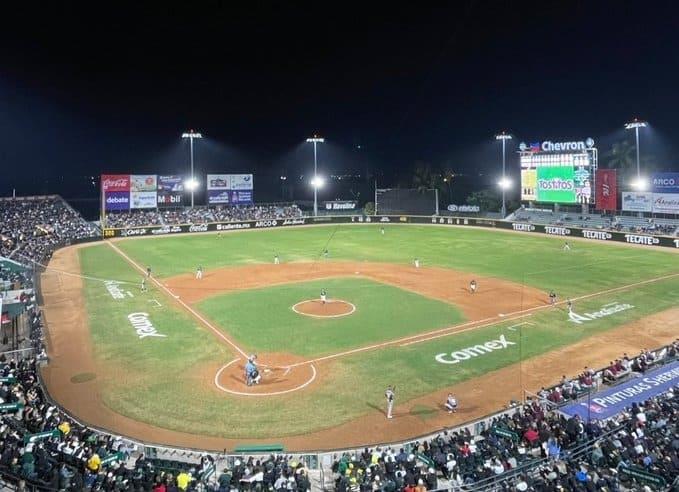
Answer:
(472, 286)
(417, 263)
(325, 253)
(552, 297)
(382, 230)
(324, 296)
(389, 394)
(143, 284)
(148, 272)
(276, 259)
(199, 272)
(569, 305)
(451, 403)
(566, 246)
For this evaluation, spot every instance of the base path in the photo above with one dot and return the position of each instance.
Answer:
(494, 296)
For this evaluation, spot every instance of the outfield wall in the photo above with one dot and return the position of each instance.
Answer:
(563, 231)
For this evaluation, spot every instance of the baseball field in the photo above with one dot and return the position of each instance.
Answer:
(166, 365)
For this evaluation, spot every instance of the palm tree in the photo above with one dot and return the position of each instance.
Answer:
(425, 178)
(622, 156)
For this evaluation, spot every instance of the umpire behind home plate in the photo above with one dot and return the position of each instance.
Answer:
(389, 395)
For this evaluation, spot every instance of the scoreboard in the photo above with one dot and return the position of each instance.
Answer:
(558, 172)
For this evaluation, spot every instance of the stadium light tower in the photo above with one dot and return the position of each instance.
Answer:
(316, 183)
(635, 125)
(191, 135)
(504, 181)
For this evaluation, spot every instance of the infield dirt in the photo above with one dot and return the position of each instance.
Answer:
(70, 352)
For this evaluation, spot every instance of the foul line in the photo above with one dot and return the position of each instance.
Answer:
(453, 330)
(182, 303)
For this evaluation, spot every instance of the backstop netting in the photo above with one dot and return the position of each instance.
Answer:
(405, 202)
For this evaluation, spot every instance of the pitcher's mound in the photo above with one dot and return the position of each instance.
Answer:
(335, 308)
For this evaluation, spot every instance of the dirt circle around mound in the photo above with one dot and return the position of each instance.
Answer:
(280, 375)
(315, 308)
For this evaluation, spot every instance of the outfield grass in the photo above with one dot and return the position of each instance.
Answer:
(165, 381)
(263, 320)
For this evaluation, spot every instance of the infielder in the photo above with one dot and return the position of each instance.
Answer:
(325, 253)
(143, 284)
(552, 297)
(417, 263)
(472, 286)
(451, 403)
(324, 296)
(389, 395)
(276, 259)
(148, 272)
(569, 305)
(199, 272)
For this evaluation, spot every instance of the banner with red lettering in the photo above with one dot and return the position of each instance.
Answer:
(606, 197)
(115, 182)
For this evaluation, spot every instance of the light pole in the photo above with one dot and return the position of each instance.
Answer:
(315, 182)
(636, 124)
(503, 137)
(191, 135)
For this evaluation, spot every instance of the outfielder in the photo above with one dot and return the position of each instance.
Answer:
(472, 286)
(569, 305)
(199, 272)
(143, 284)
(566, 246)
(417, 263)
(276, 259)
(389, 395)
(382, 230)
(324, 296)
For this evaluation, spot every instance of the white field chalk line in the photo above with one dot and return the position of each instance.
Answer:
(447, 331)
(353, 309)
(186, 306)
(514, 327)
(272, 393)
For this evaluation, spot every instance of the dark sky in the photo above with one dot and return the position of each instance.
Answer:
(86, 90)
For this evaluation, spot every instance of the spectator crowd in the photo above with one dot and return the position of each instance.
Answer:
(31, 228)
(201, 215)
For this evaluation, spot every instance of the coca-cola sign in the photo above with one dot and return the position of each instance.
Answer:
(115, 182)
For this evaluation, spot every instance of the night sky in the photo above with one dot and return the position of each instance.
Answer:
(96, 89)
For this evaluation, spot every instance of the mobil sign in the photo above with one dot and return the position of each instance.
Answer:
(665, 182)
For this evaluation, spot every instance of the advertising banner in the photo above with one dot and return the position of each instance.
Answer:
(170, 184)
(665, 182)
(556, 184)
(606, 189)
(143, 182)
(240, 182)
(170, 199)
(218, 196)
(143, 199)
(117, 200)
(633, 201)
(612, 401)
(529, 179)
(341, 205)
(218, 182)
(241, 197)
(115, 182)
(666, 203)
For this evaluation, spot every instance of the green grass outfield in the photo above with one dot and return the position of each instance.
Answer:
(146, 378)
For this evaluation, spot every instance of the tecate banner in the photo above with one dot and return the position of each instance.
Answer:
(143, 182)
(241, 182)
(218, 196)
(637, 202)
(606, 189)
(238, 197)
(218, 182)
(117, 200)
(666, 203)
(170, 184)
(143, 199)
(665, 182)
(115, 182)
